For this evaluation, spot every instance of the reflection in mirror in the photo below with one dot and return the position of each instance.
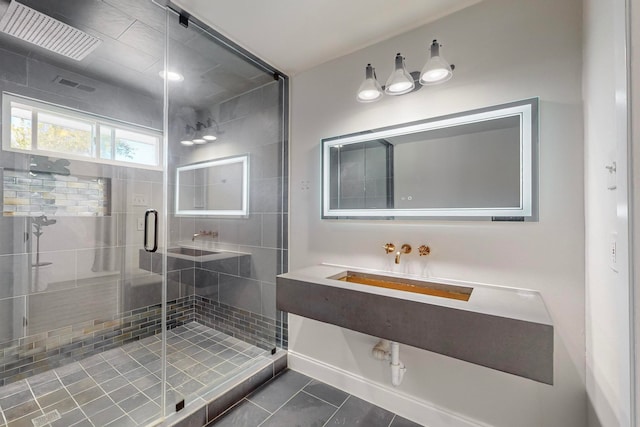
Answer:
(474, 164)
(218, 187)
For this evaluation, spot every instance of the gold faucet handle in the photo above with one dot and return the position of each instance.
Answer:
(424, 250)
(406, 249)
(389, 248)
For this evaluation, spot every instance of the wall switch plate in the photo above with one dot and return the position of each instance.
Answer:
(140, 200)
(140, 224)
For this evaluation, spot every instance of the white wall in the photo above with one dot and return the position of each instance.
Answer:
(607, 283)
(504, 50)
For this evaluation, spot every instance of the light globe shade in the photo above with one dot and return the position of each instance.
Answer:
(370, 90)
(400, 81)
(437, 70)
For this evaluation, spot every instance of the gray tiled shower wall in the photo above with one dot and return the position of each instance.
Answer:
(250, 124)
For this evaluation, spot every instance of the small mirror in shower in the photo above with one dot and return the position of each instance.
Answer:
(217, 187)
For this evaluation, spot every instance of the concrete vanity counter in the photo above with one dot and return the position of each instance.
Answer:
(503, 328)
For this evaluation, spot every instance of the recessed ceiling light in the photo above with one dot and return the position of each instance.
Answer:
(199, 141)
(186, 142)
(172, 76)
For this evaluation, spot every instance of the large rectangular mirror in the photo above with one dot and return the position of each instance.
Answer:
(479, 164)
(218, 187)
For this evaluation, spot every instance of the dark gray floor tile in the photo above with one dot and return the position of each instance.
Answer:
(106, 416)
(134, 401)
(123, 422)
(15, 399)
(145, 413)
(302, 410)
(14, 388)
(69, 418)
(357, 412)
(63, 406)
(114, 384)
(244, 414)
(123, 393)
(225, 367)
(81, 386)
(275, 393)
(21, 410)
(51, 398)
(398, 421)
(83, 423)
(73, 378)
(88, 395)
(48, 387)
(97, 405)
(326, 392)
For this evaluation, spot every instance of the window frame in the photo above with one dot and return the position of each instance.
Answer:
(36, 106)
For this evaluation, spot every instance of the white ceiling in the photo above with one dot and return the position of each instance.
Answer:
(296, 35)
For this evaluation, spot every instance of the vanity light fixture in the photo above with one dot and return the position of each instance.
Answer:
(370, 90)
(201, 133)
(437, 70)
(400, 81)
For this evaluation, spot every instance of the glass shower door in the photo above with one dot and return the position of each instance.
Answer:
(82, 155)
(226, 209)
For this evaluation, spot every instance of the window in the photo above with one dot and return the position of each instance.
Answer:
(47, 129)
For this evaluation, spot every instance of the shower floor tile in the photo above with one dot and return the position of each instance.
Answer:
(122, 387)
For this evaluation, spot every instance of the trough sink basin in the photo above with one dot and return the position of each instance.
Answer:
(190, 251)
(461, 293)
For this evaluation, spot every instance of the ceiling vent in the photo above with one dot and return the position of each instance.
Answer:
(42, 30)
(75, 85)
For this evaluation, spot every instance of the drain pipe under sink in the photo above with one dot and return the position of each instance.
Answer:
(385, 350)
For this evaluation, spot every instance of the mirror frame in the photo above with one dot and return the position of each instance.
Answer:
(526, 110)
(242, 212)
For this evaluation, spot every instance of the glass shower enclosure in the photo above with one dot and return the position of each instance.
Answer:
(144, 215)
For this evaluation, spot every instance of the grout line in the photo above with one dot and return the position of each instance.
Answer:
(316, 397)
(280, 407)
(336, 411)
(72, 397)
(392, 419)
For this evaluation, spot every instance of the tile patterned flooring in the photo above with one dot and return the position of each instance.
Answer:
(293, 399)
(121, 387)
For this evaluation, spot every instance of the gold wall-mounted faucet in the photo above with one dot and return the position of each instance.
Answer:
(424, 250)
(404, 249)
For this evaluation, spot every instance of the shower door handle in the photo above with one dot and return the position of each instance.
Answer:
(146, 230)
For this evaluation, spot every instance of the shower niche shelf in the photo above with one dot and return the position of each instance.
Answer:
(506, 329)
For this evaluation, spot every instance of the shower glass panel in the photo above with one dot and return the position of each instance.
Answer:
(225, 110)
(94, 329)
(81, 162)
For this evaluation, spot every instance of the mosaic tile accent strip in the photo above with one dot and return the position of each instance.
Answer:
(27, 194)
(35, 354)
(250, 327)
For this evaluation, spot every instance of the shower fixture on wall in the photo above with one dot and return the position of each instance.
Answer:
(201, 133)
(436, 70)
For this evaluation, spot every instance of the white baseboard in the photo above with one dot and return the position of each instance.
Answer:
(407, 406)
